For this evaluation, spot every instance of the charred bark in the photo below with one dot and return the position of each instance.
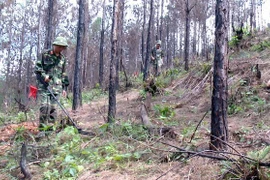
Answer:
(112, 85)
(101, 63)
(24, 169)
(49, 24)
(145, 72)
(77, 73)
(219, 123)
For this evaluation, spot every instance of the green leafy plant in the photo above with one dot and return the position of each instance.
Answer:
(20, 132)
(234, 109)
(164, 113)
(261, 46)
(234, 41)
(142, 93)
(261, 155)
(95, 93)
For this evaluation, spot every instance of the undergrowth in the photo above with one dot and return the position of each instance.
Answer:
(92, 94)
(68, 153)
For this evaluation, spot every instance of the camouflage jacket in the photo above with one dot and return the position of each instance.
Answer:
(157, 54)
(50, 65)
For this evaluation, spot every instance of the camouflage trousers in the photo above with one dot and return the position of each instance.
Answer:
(48, 107)
(155, 69)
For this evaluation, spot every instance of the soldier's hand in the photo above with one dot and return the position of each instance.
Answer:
(47, 79)
(64, 93)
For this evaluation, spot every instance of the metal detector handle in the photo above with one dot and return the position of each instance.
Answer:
(62, 107)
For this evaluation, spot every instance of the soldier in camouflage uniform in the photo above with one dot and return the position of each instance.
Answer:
(157, 58)
(50, 70)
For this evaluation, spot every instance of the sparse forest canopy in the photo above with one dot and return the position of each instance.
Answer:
(109, 58)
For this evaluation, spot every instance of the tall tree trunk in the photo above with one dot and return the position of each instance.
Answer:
(167, 42)
(180, 43)
(219, 123)
(19, 72)
(143, 30)
(121, 35)
(161, 20)
(39, 30)
(187, 10)
(145, 73)
(157, 32)
(175, 40)
(112, 85)
(78, 61)
(48, 43)
(101, 63)
(85, 52)
(119, 40)
(251, 16)
(204, 38)
(28, 72)
(194, 43)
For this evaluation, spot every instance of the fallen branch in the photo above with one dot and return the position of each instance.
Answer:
(23, 165)
(198, 126)
(201, 154)
(185, 98)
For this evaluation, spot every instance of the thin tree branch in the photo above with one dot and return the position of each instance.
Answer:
(198, 126)
(249, 160)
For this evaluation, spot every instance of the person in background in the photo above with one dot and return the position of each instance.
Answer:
(157, 58)
(50, 69)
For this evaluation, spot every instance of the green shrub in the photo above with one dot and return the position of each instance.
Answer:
(234, 41)
(95, 93)
(165, 114)
(261, 46)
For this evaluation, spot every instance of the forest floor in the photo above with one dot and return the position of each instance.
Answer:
(180, 105)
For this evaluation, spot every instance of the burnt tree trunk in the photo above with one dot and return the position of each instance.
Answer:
(168, 59)
(77, 72)
(85, 52)
(145, 73)
(252, 16)
(157, 31)
(204, 38)
(19, 72)
(28, 72)
(101, 63)
(48, 43)
(161, 20)
(120, 21)
(194, 43)
(219, 123)
(23, 165)
(143, 29)
(112, 85)
(187, 31)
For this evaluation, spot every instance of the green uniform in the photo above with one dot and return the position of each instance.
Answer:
(52, 66)
(157, 62)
